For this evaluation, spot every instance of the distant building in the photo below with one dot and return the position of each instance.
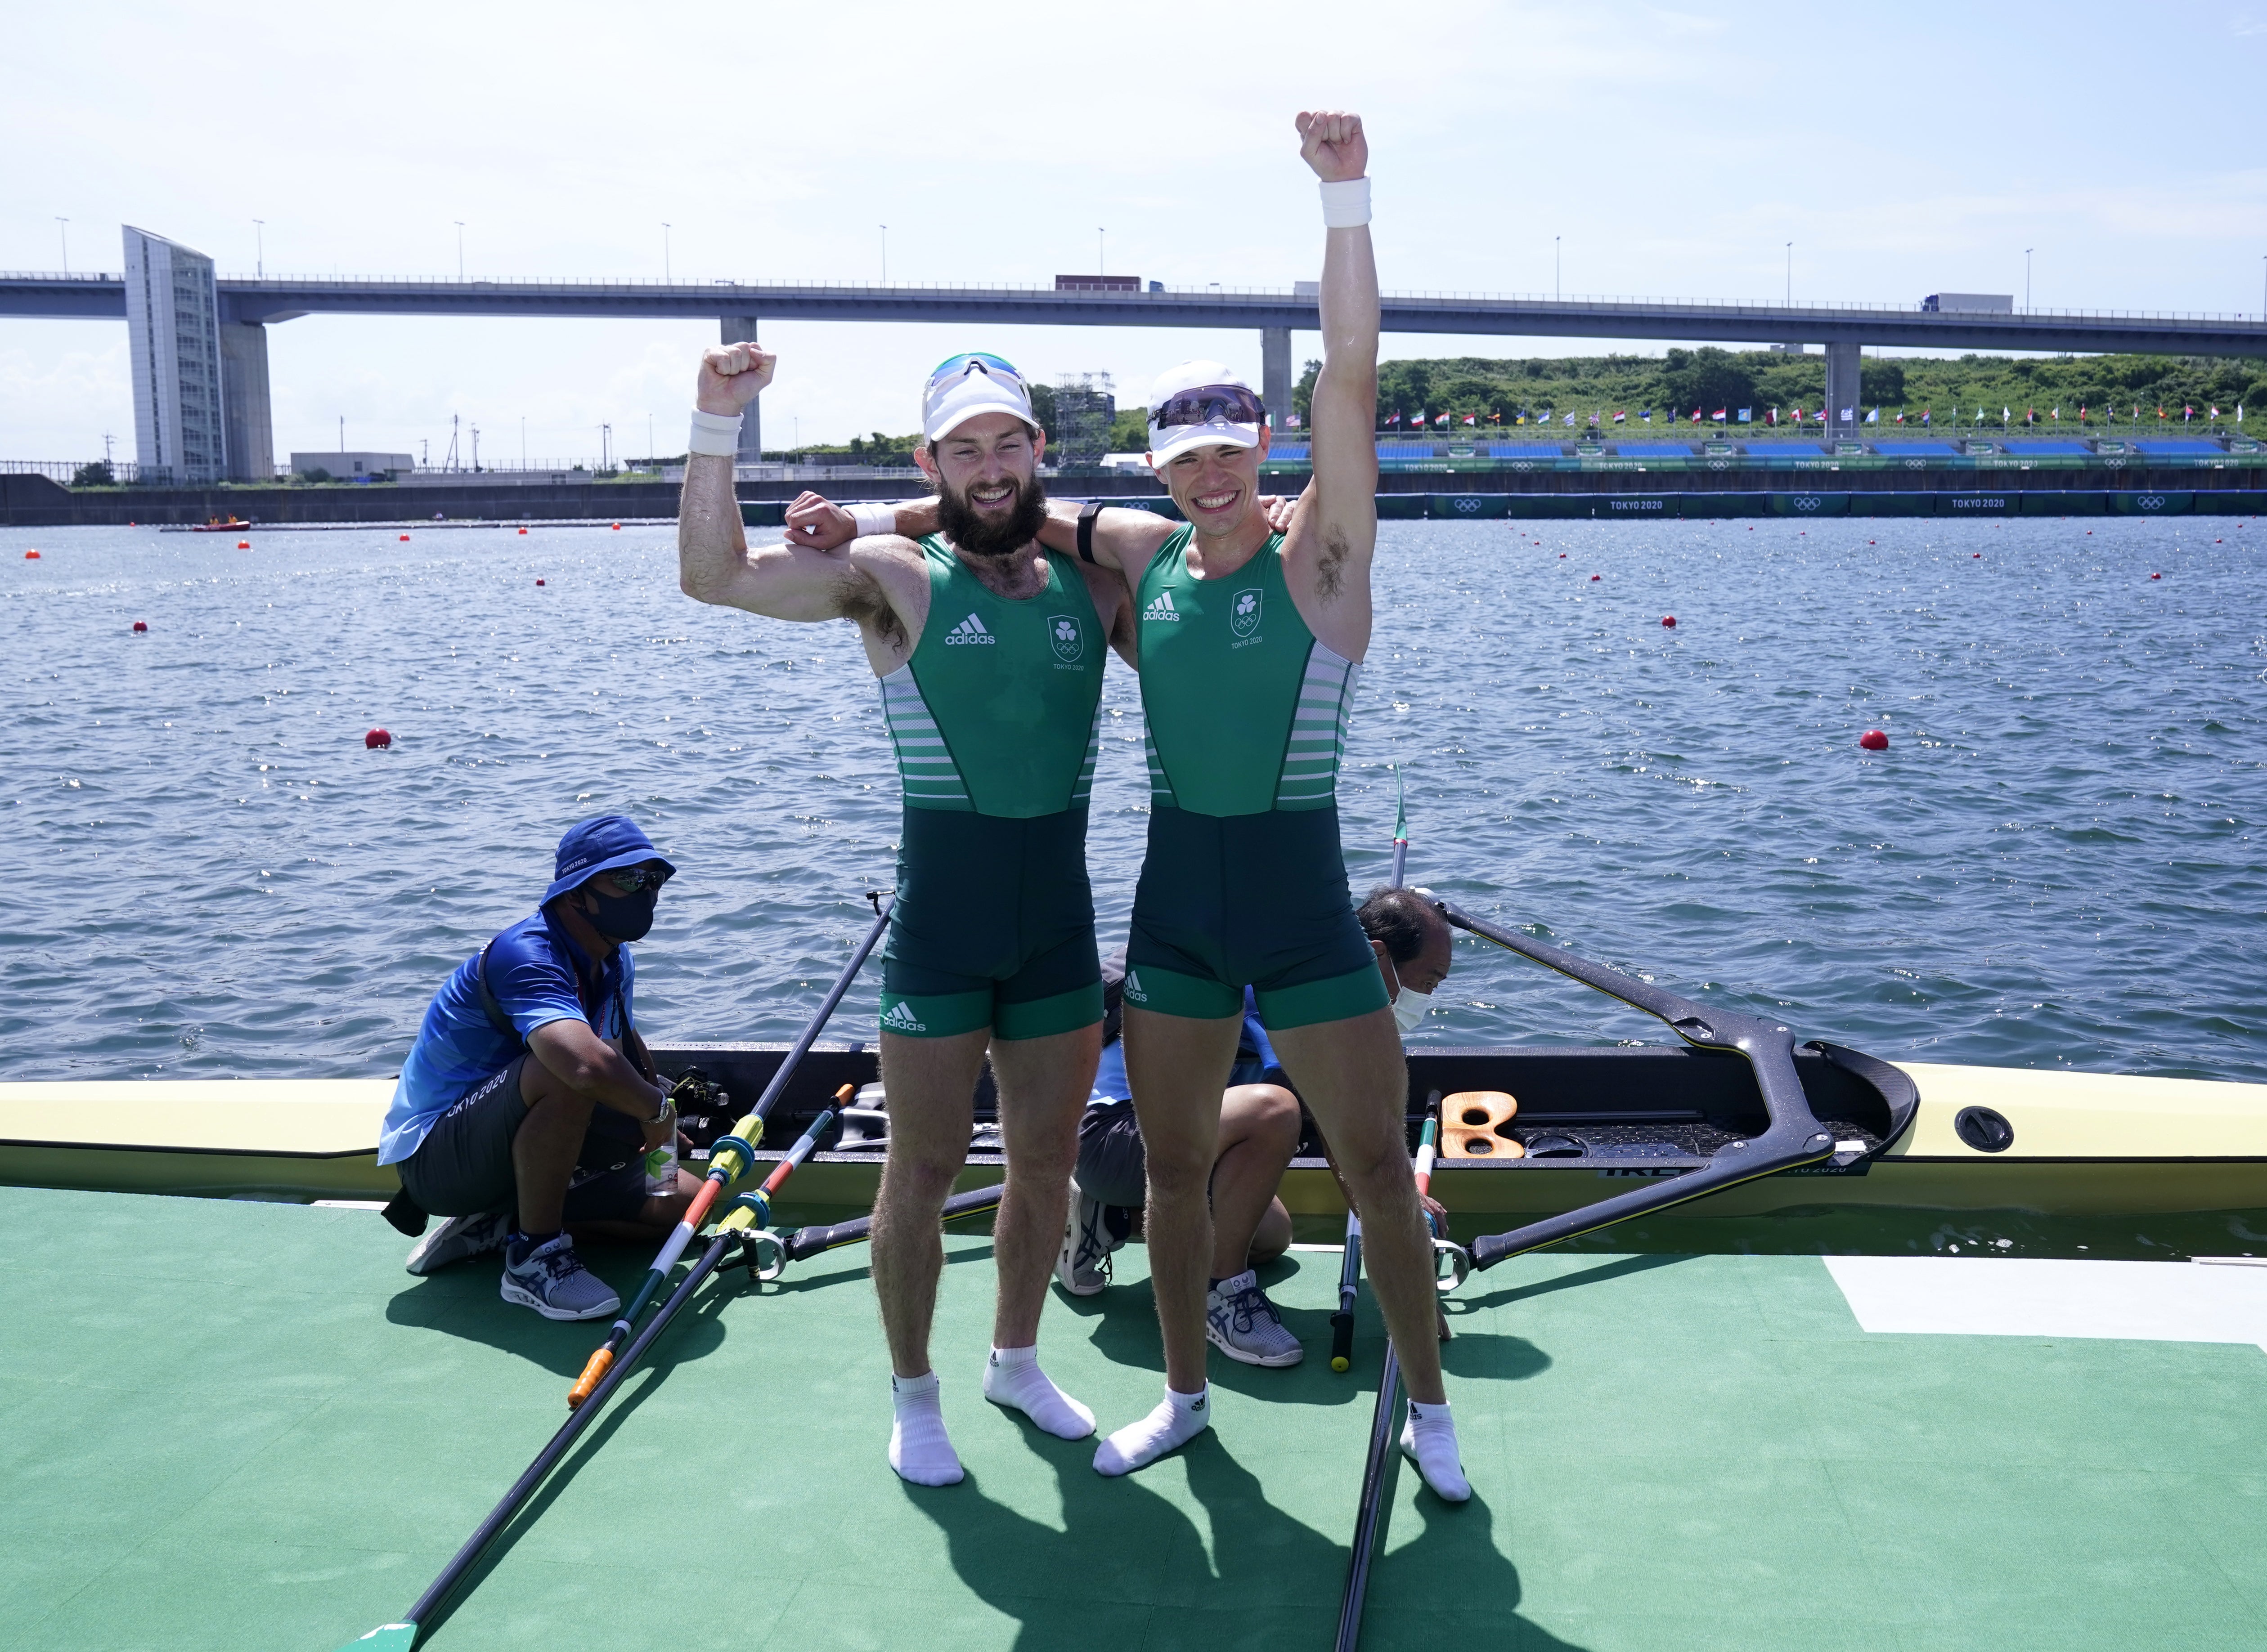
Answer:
(352, 467)
(1787, 349)
(173, 324)
(1086, 407)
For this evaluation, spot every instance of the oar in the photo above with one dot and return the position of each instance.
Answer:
(1400, 828)
(727, 1161)
(810, 1241)
(1349, 1288)
(1377, 1467)
(746, 1210)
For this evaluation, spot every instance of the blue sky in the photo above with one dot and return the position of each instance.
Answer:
(1902, 149)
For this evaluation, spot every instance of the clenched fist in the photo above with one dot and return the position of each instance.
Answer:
(731, 376)
(1331, 141)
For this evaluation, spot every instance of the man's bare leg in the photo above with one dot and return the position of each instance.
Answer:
(1352, 1075)
(1044, 1086)
(1258, 1133)
(1177, 1068)
(931, 1086)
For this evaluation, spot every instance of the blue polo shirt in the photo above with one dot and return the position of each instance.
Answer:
(1255, 1058)
(534, 971)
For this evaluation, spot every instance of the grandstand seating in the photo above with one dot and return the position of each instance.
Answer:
(2043, 449)
(1917, 450)
(2171, 449)
(1654, 449)
(1523, 449)
(1286, 451)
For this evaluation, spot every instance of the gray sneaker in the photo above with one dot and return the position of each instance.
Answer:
(1082, 1264)
(457, 1239)
(1243, 1324)
(552, 1279)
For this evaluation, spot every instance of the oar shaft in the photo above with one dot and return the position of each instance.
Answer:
(811, 1240)
(1349, 1288)
(1376, 1468)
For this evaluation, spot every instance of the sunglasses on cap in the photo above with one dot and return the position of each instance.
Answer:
(972, 361)
(632, 880)
(1226, 404)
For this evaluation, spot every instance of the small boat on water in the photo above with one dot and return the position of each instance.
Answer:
(1589, 1124)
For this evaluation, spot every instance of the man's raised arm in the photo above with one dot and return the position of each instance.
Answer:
(1340, 505)
(714, 563)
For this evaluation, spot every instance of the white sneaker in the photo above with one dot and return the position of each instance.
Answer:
(459, 1239)
(1082, 1264)
(552, 1279)
(1243, 1324)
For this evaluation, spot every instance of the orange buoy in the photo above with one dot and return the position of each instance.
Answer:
(141, 625)
(1873, 740)
(31, 556)
(377, 740)
(1669, 620)
(243, 545)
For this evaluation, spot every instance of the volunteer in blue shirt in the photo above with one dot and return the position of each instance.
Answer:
(529, 1102)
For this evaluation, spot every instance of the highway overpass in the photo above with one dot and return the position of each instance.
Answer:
(260, 302)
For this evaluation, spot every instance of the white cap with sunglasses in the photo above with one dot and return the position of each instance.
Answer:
(965, 386)
(1199, 404)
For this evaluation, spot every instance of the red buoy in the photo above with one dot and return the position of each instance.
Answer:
(2156, 576)
(538, 582)
(377, 740)
(31, 556)
(618, 527)
(1669, 620)
(523, 533)
(405, 539)
(141, 625)
(1593, 578)
(1562, 555)
(243, 545)
(1873, 740)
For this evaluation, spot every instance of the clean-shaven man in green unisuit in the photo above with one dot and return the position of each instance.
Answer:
(990, 653)
(1249, 642)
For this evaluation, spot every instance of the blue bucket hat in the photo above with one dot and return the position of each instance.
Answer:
(600, 843)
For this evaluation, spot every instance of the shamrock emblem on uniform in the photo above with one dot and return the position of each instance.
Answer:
(1243, 612)
(1070, 641)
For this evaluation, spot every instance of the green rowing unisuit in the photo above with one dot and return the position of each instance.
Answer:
(994, 719)
(1244, 883)
(996, 711)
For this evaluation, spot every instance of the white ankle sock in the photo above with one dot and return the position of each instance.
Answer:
(1012, 1378)
(1428, 1439)
(1179, 1419)
(919, 1449)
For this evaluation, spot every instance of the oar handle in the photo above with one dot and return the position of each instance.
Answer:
(593, 1374)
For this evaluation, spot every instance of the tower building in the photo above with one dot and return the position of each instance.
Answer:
(173, 324)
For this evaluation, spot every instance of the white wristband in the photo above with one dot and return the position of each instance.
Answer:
(716, 435)
(1346, 206)
(873, 519)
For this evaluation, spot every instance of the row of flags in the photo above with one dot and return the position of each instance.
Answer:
(1795, 415)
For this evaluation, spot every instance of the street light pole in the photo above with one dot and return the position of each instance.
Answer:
(1101, 263)
(885, 255)
(65, 232)
(664, 252)
(2026, 278)
(1554, 268)
(460, 222)
(1790, 274)
(259, 247)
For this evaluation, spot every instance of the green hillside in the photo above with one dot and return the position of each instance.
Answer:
(1710, 378)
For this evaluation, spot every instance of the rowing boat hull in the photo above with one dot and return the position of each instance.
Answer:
(2084, 1144)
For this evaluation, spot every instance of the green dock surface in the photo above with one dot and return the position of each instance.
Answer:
(242, 1426)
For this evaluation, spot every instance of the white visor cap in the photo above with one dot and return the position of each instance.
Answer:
(975, 391)
(1196, 375)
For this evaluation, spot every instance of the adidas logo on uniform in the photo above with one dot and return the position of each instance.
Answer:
(1161, 608)
(1134, 992)
(900, 1018)
(969, 630)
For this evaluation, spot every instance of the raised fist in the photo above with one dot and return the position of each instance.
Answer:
(731, 376)
(1331, 141)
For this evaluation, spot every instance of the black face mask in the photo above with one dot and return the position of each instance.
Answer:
(624, 917)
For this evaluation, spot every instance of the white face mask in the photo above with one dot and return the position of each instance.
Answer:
(1409, 1010)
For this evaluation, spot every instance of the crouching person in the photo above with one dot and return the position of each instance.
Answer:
(528, 1105)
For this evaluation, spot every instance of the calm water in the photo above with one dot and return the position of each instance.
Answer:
(2057, 862)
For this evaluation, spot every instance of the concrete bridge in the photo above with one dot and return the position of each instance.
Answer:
(248, 307)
